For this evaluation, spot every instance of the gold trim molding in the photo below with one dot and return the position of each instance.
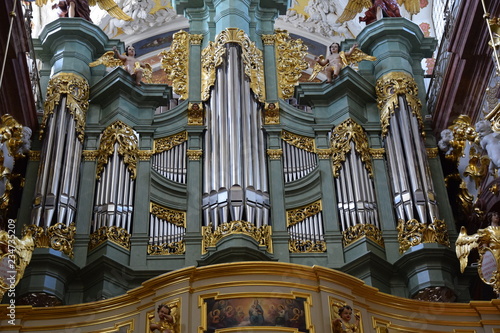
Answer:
(114, 234)
(290, 63)
(212, 57)
(297, 215)
(196, 114)
(175, 63)
(413, 232)
(58, 237)
(76, 89)
(275, 154)
(389, 88)
(163, 144)
(124, 135)
(299, 141)
(176, 217)
(261, 234)
(358, 231)
(272, 113)
(341, 138)
(306, 246)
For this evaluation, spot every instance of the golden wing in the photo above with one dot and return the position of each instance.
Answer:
(316, 69)
(464, 245)
(353, 8)
(356, 56)
(111, 7)
(412, 6)
(147, 74)
(107, 59)
(40, 3)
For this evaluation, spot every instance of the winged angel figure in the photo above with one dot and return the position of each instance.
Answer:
(80, 8)
(338, 60)
(377, 9)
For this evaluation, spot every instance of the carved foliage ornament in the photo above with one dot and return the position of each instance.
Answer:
(124, 137)
(58, 237)
(169, 142)
(306, 246)
(261, 234)
(76, 90)
(275, 154)
(342, 136)
(299, 141)
(175, 63)
(290, 63)
(389, 88)
(167, 248)
(114, 234)
(173, 216)
(413, 232)
(359, 231)
(298, 215)
(212, 57)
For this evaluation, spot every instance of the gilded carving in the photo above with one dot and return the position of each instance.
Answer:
(90, 155)
(34, 155)
(194, 155)
(173, 216)
(145, 155)
(389, 89)
(299, 141)
(342, 136)
(114, 234)
(196, 114)
(76, 89)
(212, 57)
(268, 39)
(124, 137)
(290, 63)
(324, 154)
(432, 152)
(271, 113)
(261, 234)
(275, 154)
(195, 39)
(306, 246)
(377, 153)
(455, 137)
(358, 231)
(167, 248)
(58, 237)
(169, 142)
(175, 63)
(413, 232)
(297, 215)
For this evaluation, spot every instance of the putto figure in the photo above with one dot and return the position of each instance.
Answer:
(490, 143)
(81, 8)
(343, 324)
(377, 9)
(168, 320)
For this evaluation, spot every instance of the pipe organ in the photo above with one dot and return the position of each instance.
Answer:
(170, 157)
(305, 228)
(299, 158)
(167, 228)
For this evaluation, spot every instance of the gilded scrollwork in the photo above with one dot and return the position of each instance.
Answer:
(173, 216)
(342, 136)
(122, 135)
(306, 246)
(114, 234)
(290, 63)
(76, 89)
(212, 57)
(167, 248)
(196, 114)
(359, 231)
(389, 89)
(299, 141)
(58, 237)
(212, 236)
(271, 113)
(175, 63)
(169, 142)
(413, 232)
(297, 215)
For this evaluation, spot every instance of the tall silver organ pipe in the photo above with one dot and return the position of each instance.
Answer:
(310, 229)
(297, 162)
(235, 172)
(172, 163)
(58, 174)
(162, 231)
(414, 196)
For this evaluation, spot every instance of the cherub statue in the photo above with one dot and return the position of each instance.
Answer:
(377, 9)
(342, 323)
(169, 321)
(137, 69)
(338, 60)
(490, 142)
(80, 8)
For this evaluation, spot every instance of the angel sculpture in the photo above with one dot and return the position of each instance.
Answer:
(169, 319)
(338, 60)
(342, 320)
(487, 240)
(80, 8)
(137, 69)
(377, 9)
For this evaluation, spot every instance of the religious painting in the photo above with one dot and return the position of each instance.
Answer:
(225, 313)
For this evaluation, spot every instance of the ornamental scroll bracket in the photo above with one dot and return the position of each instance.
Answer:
(389, 89)
(212, 57)
(413, 232)
(76, 89)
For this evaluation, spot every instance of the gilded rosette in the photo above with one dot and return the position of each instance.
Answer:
(169, 142)
(342, 136)
(212, 57)
(114, 234)
(299, 141)
(261, 234)
(290, 63)
(389, 88)
(173, 216)
(58, 237)
(413, 232)
(306, 246)
(175, 63)
(358, 231)
(298, 215)
(124, 136)
(76, 89)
